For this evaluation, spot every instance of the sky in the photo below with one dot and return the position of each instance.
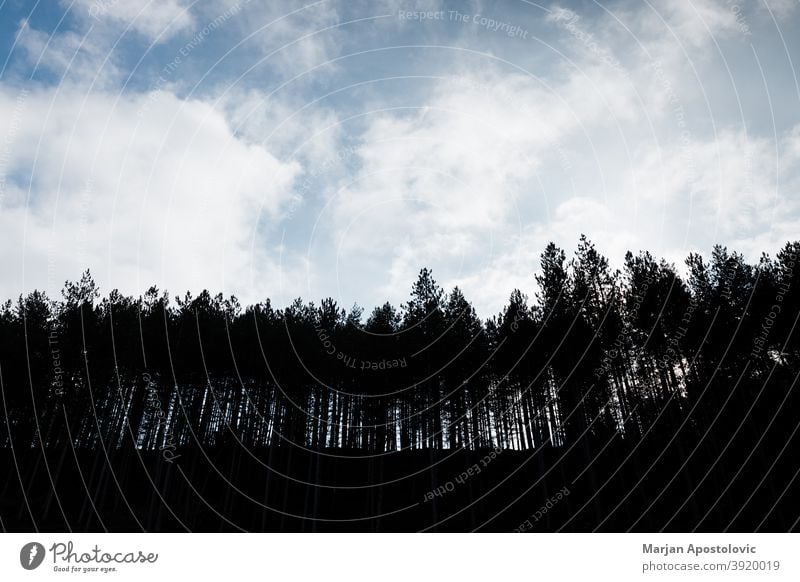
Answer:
(334, 148)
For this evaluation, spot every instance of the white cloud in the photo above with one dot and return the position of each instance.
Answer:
(86, 54)
(729, 178)
(291, 37)
(432, 186)
(145, 189)
(514, 267)
(67, 54)
(156, 20)
(442, 185)
(298, 130)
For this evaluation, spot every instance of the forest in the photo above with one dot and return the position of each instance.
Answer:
(700, 359)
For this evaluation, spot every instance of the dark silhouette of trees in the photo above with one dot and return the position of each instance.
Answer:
(633, 355)
(599, 353)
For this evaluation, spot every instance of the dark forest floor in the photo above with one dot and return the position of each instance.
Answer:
(617, 488)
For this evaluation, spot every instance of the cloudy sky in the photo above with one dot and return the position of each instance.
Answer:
(285, 149)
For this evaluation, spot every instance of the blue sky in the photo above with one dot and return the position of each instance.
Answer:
(335, 148)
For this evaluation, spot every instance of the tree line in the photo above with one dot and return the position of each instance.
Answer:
(595, 354)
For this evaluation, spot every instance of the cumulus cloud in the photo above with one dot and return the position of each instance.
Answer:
(141, 188)
(432, 184)
(456, 182)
